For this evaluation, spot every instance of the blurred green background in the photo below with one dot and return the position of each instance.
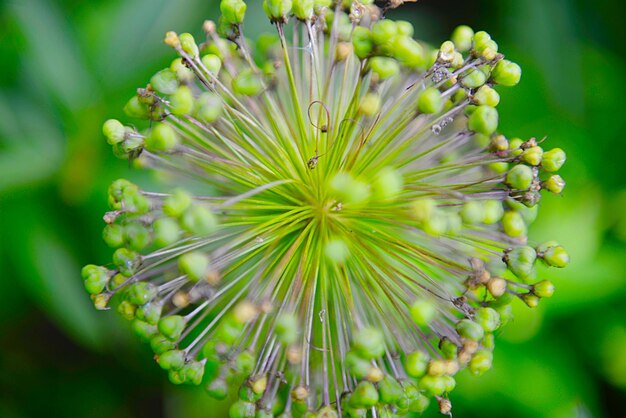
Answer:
(67, 65)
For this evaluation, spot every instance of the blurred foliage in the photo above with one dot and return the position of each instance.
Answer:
(67, 65)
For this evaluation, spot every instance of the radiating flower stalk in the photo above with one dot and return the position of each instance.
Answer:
(364, 227)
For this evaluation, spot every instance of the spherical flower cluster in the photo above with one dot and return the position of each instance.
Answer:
(358, 228)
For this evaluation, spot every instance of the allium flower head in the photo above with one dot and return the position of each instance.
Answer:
(358, 228)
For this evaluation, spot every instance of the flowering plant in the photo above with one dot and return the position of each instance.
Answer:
(363, 226)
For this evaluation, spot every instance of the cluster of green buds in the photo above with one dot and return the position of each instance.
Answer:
(363, 227)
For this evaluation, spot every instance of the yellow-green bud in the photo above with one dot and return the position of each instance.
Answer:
(506, 73)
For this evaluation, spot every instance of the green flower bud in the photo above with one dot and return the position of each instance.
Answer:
(118, 280)
(423, 311)
(364, 45)
(433, 385)
(532, 156)
(212, 63)
(423, 209)
(493, 211)
(166, 231)
(127, 310)
(416, 364)
(462, 38)
(543, 289)
(553, 160)
(165, 82)
(348, 189)
(403, 27)
(521, 261)
(470, 330)
(114, 131)
(143, 330)
(448, 348)
(506, 313)
(303, 9)
(520, 177)
(515, 147)
(408, 51)
(488, 318)
(488, 51)
(176, 377)
(419, 403)
(513, 224)
(481, 362)
(188, 44)
(410, 393)
(150, 312)
(116, 192)
(357, 365)
(499, 168)
(286, 328)
(369, 343)
(134, 202)
(531, 300)
(554, 184)
(277, 10)
(336, 250)
(159, 344)
(177, 203)
(246, 393)
(388, 184)
(370, 104)
(242, 409)
(383, 31)
(489, 342)
(480, 38)
(247, 83)
(473, 79)
(245, 362)
(95, 278)
(486, 96)
(528, 214)
(483, 120)
(384, 67)
(195, 265)
(183, 74)
(506, 73)
(113, 235)
(218, 389)
(209, 107)
(172, 360)
(126, 261)
(137, 236)
(449, 383)
(446, 52)
(365, 395)
(390, 390)
(430, 101)
(473, 212)
(162, 137)
(233, 11)
(198, 220)
(229, 330)
(140, 293)
(181, 101)
(137, 110)
(556, 256)
(171, 327)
